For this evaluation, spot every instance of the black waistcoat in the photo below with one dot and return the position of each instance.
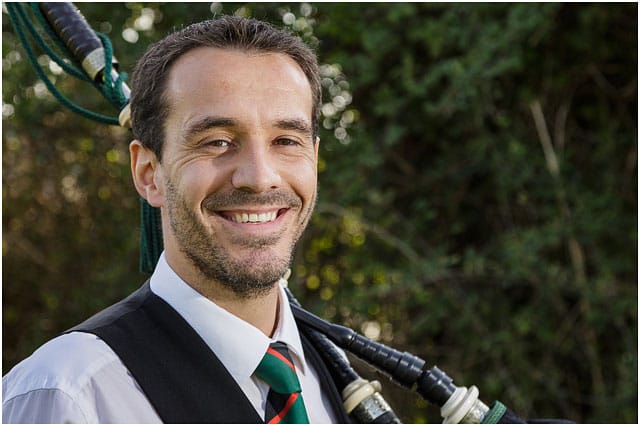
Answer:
(180, 375)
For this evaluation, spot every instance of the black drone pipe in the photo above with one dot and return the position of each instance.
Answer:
(362, 399)
(406, 369)
(77, 35)
(457, 404)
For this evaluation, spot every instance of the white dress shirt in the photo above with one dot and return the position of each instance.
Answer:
(77, 378)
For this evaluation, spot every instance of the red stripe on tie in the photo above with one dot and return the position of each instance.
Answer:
(281, 357)
(278, 417)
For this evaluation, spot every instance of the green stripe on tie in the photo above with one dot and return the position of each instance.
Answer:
(284, 402)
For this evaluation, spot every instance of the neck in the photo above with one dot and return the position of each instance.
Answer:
(261, 310)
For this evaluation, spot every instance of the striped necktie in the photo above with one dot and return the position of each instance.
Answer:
(284, 402)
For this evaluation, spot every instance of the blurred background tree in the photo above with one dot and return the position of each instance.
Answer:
(478, 192)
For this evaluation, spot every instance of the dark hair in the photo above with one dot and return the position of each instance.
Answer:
(149, 104)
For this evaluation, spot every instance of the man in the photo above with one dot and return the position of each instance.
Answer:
(225, 115)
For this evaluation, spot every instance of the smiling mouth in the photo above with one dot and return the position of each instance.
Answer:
(252, 217)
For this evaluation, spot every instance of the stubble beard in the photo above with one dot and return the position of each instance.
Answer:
(248, 277)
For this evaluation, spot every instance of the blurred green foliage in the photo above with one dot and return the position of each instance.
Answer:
(478, 192)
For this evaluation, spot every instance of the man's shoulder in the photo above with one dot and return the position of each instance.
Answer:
(74, 378)
(116, 311)
(66, 363)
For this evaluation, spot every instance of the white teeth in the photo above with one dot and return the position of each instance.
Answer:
(254, 217)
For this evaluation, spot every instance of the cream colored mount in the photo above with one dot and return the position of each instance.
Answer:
(124, 118)
(363, 399)
(463, 406)
(93, 63)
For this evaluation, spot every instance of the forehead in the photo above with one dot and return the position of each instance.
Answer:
(209, 78)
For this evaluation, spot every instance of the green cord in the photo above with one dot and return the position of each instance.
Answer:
(110, 89)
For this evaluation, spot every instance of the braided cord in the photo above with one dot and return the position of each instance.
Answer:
(112, 90)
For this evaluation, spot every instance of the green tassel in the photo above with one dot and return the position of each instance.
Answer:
(150, 237)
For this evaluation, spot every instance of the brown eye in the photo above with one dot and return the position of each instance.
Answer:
(218, 143)
(287, 142)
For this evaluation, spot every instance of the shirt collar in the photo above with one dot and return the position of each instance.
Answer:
(287, 331)
(239, 345)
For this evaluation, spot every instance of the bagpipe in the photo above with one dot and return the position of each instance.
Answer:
(88, 55)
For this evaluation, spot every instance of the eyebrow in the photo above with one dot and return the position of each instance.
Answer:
(212, 122)
(295, 124)
(207, 123)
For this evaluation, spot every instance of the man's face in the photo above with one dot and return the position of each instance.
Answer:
(238, 166)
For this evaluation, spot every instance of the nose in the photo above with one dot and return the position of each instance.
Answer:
(256, 170)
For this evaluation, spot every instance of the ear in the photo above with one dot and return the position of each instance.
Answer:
(147, 173)
(317, 145)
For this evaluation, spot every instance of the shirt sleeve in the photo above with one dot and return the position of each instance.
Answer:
(42, 406)
(74, 378)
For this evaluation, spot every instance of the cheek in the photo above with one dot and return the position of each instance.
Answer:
(304, 179)
(199, 180)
